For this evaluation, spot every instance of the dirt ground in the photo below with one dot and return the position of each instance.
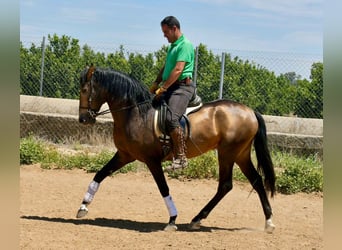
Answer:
(129, 213)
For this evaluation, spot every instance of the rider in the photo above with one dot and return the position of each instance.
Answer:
(177, 88)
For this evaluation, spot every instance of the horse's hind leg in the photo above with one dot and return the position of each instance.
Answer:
(255, 179)
(118, 161)
(224, 186)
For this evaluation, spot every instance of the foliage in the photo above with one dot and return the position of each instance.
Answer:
(301, 175)
(238, 175)
(202, 167)
(244, 81)
(310, 94)
(257, 87)
(31, 150)
(209, 74)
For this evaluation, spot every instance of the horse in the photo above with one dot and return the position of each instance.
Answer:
(229, 127)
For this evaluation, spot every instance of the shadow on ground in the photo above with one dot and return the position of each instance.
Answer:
(139, 226)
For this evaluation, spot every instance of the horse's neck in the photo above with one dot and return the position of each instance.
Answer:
(124, 112)
(131, 125)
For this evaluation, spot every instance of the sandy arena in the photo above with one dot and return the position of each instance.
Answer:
(129, 213)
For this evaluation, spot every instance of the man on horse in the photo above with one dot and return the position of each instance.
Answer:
(177, 88)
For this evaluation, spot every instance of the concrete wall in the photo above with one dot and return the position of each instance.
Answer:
(59, 118)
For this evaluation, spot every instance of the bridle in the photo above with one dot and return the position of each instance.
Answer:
(93, 113)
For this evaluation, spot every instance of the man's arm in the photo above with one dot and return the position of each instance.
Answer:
(175, 73)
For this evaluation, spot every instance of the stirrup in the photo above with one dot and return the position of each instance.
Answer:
(178, 163)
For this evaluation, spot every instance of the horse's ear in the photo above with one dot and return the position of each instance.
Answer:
(90, 72)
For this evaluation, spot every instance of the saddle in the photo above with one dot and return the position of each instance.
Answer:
(160, 118)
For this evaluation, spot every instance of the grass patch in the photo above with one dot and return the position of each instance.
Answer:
(294, 173)
(202, 167)
(298, 174)
(33, 150)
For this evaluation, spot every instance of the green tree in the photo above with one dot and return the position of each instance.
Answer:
(208, 78)
(283, 96)
(310, 94)
(117, 61)
(241, 81)
(62, 60)
(292, 77)
(30, 64)
(142, 67)
(160, 57)
(317, 88)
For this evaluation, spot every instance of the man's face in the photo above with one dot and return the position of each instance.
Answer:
(169, 33)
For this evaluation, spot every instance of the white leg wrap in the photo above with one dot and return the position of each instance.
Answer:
(170, 206)
(92, 189)
(269, 226)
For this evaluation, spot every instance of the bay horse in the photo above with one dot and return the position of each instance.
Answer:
(227, 126)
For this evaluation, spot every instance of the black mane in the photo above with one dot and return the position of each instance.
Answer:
(123, 87)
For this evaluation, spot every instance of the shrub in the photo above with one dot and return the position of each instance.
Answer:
(238, 175)
(95, 162)
(31, 150)
(303, 175)
(203, 166)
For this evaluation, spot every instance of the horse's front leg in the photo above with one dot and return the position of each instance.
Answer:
(118, 161)
(158, 175)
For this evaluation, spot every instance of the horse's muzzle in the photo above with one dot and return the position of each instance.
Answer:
(86, 119)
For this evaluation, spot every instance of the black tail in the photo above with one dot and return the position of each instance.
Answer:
(265, 164)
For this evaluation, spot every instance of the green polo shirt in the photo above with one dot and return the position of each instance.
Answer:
(180, 51)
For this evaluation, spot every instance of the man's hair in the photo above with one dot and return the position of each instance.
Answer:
(170, 21)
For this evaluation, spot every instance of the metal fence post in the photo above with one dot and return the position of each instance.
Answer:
(196, 65)
(42, 68)
(222, 74)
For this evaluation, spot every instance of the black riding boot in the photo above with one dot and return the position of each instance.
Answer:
(179, 149)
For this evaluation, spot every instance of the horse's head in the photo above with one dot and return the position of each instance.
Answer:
(89, 103)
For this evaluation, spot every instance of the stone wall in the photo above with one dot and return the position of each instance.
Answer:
(57, 120)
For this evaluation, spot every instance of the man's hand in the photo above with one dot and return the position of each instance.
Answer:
(153, 88)
(160, 91)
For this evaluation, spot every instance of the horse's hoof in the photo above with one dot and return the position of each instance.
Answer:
(170, 228)
(195, 225)
(82, 211)
(269, 226)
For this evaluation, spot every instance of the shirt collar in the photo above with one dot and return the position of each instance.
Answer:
(179, 40)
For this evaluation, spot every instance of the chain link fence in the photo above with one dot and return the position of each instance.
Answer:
(281, 84)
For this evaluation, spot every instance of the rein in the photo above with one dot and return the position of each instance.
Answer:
(94, 114)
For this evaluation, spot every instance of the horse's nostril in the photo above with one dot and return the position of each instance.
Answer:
(81, 120)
